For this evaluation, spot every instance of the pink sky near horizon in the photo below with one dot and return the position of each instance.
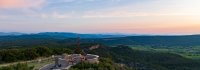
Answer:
(20, 3)
(151, 17)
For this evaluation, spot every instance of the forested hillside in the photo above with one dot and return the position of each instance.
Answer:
(121, 55)
(155, 41)
(19, 48)
(147, 60)
(158, 41)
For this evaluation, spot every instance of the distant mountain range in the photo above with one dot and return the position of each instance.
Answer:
(10, 33)
(64, 35)
(156, 41)
(52, 38)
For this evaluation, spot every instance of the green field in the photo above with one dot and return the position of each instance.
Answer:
(38, 65)
(189, 52)
(35, 63)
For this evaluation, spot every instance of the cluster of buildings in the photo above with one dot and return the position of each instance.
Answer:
(65, 61)
(76, 58)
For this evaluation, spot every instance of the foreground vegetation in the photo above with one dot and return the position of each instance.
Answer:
(111, 57)
(104, 64)
(20, 54)
(147, 60)
(18, 66)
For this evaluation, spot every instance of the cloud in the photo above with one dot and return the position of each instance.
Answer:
(18, 4)
(146, 9)
(128, 14)
(55, 15)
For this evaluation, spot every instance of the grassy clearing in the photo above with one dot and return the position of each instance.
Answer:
(188, 52)
(37, 64)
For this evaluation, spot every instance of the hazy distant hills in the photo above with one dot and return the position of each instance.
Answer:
(161, 41)
(53, 38)
(10, 33)
(63, 35)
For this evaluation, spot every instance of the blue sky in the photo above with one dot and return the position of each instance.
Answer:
(101, 16)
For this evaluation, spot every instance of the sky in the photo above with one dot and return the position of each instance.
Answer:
(101, 16)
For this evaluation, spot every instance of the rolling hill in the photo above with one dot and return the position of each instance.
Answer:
(158, 41)
(51, 39)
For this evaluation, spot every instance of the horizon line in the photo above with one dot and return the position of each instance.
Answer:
(104, 33)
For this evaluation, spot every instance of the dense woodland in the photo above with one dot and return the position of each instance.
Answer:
(22, 48)
(104, 64)
(133, 59)
(59, 40)
(21, 54)
(18, 67)
(148, 60)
